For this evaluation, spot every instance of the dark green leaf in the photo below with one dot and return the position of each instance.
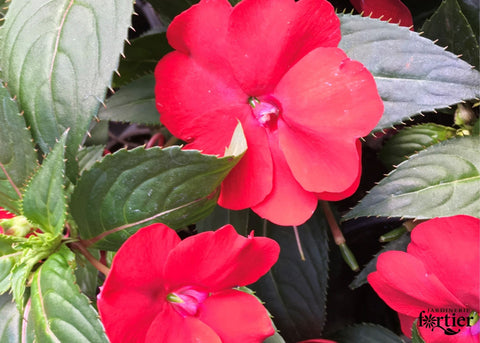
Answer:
(11, 321)
(398, 244)
(169, 9)
(58, 58)
(173, 186)
(141, 57)
(411, 140)
(44, 200)
(59, 312)
(133, 103)
(294, 291)
(88, 156)
(470, 9)
(87, 275)
(442, 180)
(365, 333)
(222, 216)
(412, 73)
(17, 155)
(449, 25)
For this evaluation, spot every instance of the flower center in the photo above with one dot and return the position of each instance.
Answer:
(187, 300)
(266, 111)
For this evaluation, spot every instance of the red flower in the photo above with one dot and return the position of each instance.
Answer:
(438, 276)
(162, 289)
(274, 66)
(393, 10)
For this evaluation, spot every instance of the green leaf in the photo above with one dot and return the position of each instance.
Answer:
(173, 186)
(3, 10)
(134, 103)
(294, 291)
(88, 156)
(470, 9)
(276, 338)
(59, 312)
(442, 180)
(34, 249)
(58, 58)
(87, 275)
(169, 9)
(416, 337)
(44, 200)
(17, 155)
(449, 25)
(411, 140)
(7, 262)
(141, 57)
(222, 216)
(365, 333)
(11, 322)
(398, 244)
(413, 74)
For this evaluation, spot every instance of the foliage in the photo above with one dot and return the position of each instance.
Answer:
(61, 72)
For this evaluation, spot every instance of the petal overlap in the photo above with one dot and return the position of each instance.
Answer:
(274, 66)
(162, 289)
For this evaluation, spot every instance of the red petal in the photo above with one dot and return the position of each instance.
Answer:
(450, 249)
(251, 180)
(182, 106)
(288, 203)
(402, 281)
(4, 214)
(328, 196)
(200, 31)
(266, 37)
(170, 327)
(406, 323)
(330, 94)
(127, 313)
(237, 317)
(129, 299)
(319, 164)
(395, 10)
(212, 132)
(220, 260)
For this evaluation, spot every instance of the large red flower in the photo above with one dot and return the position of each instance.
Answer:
(437, 276)
(162, 289)
(392, 10)
(274, 66)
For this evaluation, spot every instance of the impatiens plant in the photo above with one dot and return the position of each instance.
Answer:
(128, 131)
(435, 285)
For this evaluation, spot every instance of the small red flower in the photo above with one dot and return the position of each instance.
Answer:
(274, 66)
(393, 10)
(437, 276)
(162, 289)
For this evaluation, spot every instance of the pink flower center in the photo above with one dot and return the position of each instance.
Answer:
(187, 300)
(266, 111)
